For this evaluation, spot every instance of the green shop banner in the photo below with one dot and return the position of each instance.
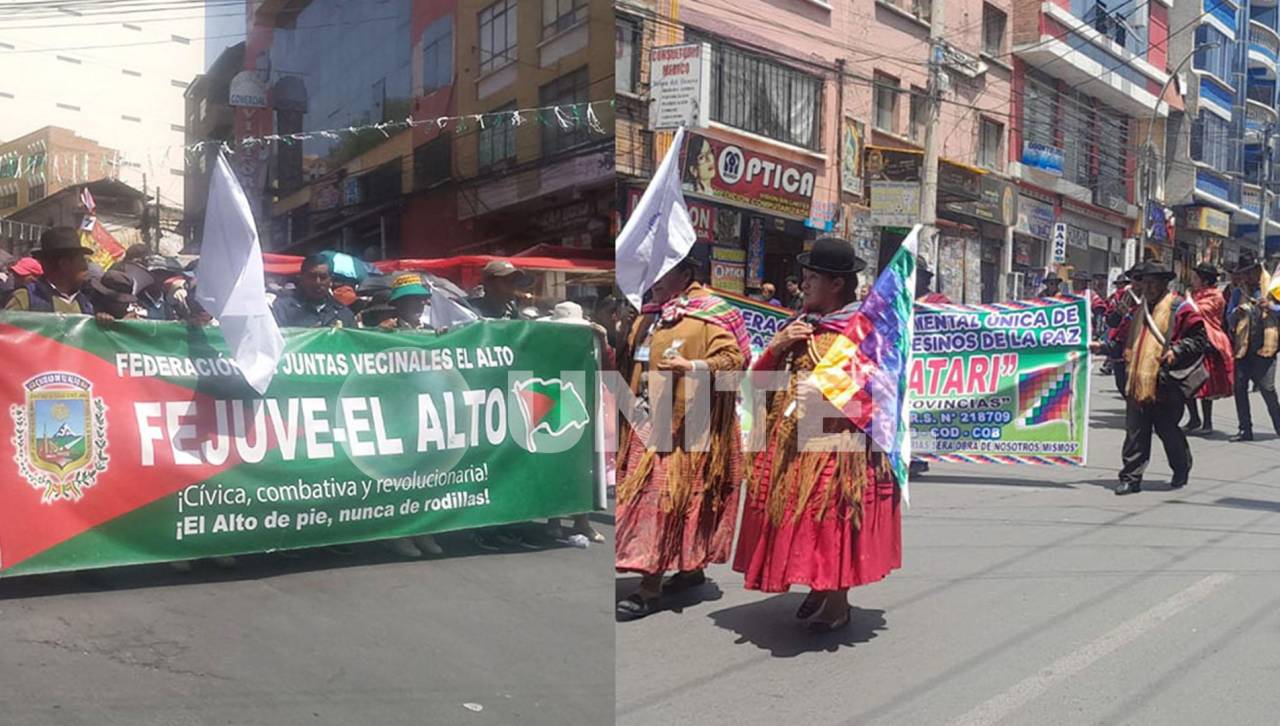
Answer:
(1000, 384)
(140, 442)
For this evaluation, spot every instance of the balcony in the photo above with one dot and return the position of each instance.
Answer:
(1264, 49)
(1258, 115)
(1071, 49)
(1251, 199)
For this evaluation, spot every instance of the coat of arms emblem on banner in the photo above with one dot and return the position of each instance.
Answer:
(60, 436)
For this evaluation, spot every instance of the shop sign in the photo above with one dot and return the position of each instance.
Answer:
(1035, 218)
(1077, 237)
(679, 86)
(247, 90)
(1043, 157)
(998, 203)
(1099, 241)
(728, 269)
(822, 216)
(747, 178)
(956, 183)
(351, 191)
(851, 158)
(755, 252)
(894, 204)
(702, 215)
(1208, 219)
(1060, 243)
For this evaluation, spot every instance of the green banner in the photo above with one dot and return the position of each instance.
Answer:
(140, 442)
(1002, 383)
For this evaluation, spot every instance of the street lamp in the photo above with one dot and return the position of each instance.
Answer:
(1148, 147)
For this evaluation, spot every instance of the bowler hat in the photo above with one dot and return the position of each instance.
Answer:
(1207, 272)
(115, 284)
(1053, 279)
(1151, 268)
(60, 241)
(831, 256)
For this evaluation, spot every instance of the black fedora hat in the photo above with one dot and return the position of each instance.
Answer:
(115, 285)
(831, 256)
(1207, 272)
(1150, 268)
(1246, 263)
(60, 241)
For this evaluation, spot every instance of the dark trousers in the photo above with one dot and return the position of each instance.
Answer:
(1120, 370)
(1262, 373)
(1162, 417)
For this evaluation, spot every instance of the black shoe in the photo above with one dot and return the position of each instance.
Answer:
(1242, 436)
(634, 607)
(1123, 489)
(486, 542)
(916, 468)
(682, 581)
(1192, 427)
(1179, 482)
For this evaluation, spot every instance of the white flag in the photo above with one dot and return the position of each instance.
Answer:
(659, 233)
(230, 283)
(445, 311)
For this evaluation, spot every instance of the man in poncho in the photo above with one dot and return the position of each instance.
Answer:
(1255, 331)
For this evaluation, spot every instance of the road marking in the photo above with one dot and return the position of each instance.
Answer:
(1001, 706)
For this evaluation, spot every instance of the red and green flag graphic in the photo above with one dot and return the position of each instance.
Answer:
(551, 407)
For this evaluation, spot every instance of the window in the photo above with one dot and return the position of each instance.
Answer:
(565, 91)
(1039, 108)
(35, 192)
(626, 64)
(497, 140)
(497, 35)
(433, 163)
(437, 55)
(993, 24)
(762, 96)
(1216, 60)
(560, 15)
(921, 9)
(9, 200)
(886, 103)
(1210, 141)
(990, 144)
(919, 108)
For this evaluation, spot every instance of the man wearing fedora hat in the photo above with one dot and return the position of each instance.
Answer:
(824, 517)
(1165, 350)
(64, 265)
(112, 295)
(1255, 332)
(1052, 286)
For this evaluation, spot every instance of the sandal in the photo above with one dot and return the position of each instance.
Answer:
(810, 606)
(682, 581)
(634, 607)
(819, 626)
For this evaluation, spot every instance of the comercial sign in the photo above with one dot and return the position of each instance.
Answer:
(1077, 237)
(747, 178)
(998, 203)
(1035, 218)
(1060, 243)
(895, 204)
(822, 216)
(956, 183)
(1208, 219)
(851, 158)
(1043, 157)
(702, 215)
(679, 86)
(247, 90)
(728, 269)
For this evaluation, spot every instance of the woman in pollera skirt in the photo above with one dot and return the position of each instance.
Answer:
(823, 514)
(1220, 359)
(678, 498)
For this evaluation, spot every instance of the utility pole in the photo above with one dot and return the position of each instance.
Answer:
(1265, 214)
(929, 175)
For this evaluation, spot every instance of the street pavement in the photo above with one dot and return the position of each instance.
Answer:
(1027, 596)
(367, 639)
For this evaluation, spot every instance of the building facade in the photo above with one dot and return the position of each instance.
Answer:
(46, 161)
(832, 133)
(119, 82)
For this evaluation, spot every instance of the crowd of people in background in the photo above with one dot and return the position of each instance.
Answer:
(59, 277)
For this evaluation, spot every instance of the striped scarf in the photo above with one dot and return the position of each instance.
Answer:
(708, 308)
(1145, 350)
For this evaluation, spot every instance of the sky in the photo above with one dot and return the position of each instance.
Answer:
(221, 20)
